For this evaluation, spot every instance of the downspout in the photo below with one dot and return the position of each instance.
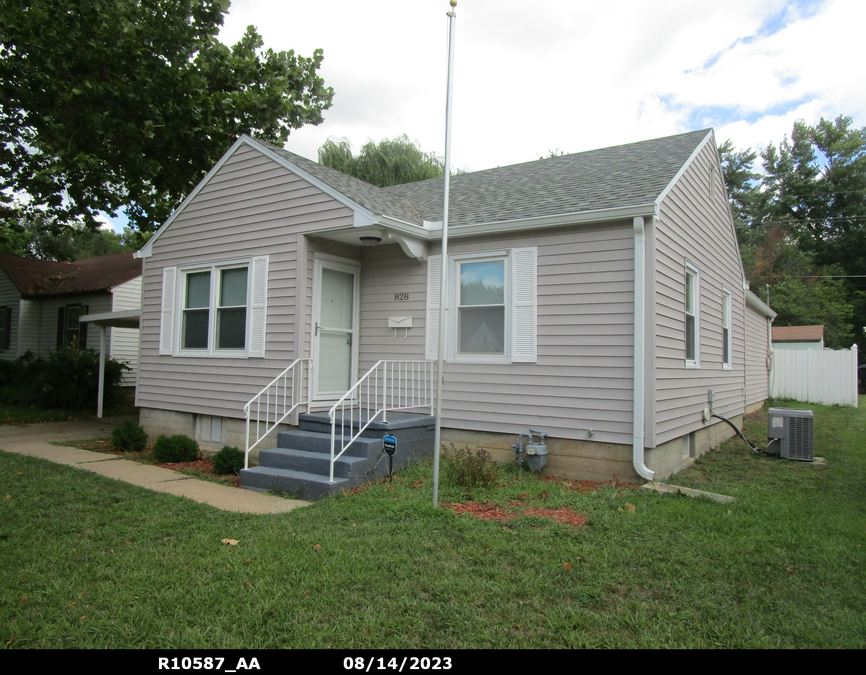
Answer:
(639, 349)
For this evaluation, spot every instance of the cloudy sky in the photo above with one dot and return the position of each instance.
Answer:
(569, 75)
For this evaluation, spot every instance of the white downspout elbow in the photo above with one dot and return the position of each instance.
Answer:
(639, 349)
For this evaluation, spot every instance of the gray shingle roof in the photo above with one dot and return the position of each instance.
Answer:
(624, 175)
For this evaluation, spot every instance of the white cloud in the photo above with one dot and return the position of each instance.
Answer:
(530, 78)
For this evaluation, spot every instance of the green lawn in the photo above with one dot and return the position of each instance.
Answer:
(89, 562)
(31, 414)
(23, 414)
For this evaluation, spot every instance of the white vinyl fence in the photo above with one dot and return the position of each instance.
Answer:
(815, 375)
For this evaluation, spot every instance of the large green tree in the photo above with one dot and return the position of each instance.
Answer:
(109, 105)
(389, 162)
(36, 239)
(816, 184)
(802, 224)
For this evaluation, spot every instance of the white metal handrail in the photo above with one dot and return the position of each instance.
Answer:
(286, 392)
(388, 385)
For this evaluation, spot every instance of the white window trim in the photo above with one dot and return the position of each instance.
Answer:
(727, 322)
(454, 261)
(180, 293)
(689, 267)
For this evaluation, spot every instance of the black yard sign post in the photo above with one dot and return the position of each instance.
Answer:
(390, 444)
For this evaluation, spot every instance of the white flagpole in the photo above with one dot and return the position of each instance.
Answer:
(443, 288)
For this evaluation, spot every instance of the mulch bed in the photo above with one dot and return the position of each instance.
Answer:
(491, 511)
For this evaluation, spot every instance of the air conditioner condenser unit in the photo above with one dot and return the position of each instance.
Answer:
(791, 434)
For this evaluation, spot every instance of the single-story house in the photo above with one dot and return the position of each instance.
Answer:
(798, 337)
(42, 302)
(596, 297)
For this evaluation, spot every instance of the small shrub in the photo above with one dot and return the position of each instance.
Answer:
(129, 437)
(177, 448)
(70, 379)
(472, 469)
(228, 460)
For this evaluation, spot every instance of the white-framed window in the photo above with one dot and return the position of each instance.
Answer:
(492, 306)
(216, 309)
(481, 295)
(727, 343)
(692, 316)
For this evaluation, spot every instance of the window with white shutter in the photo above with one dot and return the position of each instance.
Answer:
(492, 310)
(215, 310)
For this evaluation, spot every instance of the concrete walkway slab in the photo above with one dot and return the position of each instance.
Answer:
(229, 498)
(36, 440)
(142, 475)
(664, 488)
(60, 455)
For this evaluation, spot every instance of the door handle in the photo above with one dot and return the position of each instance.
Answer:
(317, 329)
(349, 339)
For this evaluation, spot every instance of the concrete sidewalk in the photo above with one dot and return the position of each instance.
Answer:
(35, 440)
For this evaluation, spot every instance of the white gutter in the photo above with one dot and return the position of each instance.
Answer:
(639, 349)
(759, 305)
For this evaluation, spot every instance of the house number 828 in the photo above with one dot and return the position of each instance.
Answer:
(401, 296)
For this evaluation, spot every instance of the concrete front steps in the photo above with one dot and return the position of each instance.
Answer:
(300, 464)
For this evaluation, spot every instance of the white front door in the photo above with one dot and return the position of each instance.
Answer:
(335, 327)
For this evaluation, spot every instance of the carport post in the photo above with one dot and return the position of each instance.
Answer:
(101, 371)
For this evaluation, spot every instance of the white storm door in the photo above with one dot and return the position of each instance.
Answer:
(335, 328)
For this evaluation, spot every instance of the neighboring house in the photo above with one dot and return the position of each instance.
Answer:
(596, 297)
(798, 337)
(41, 303)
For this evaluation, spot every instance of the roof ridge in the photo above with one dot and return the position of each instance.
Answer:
(535, 162)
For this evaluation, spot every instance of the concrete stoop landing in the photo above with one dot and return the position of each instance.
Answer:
(300, 464)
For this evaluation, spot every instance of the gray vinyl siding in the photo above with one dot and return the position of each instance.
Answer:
(96, 303)
(10, 297)
(694, 226)
(30, 326)
(583, 377)
(124, 341)
(386, 271)
(757, 343)
(251, 206)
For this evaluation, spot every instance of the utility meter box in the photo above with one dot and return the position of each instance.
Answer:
(791, 434)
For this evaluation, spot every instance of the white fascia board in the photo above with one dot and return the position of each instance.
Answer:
(683, 168)
(401, 226)
(759, 305)
(147, 250)
(362, 214)
(540, 222)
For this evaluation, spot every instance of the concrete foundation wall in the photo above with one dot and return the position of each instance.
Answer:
(169, 422)
(752, 407)
(591, 460)
(567, 458)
